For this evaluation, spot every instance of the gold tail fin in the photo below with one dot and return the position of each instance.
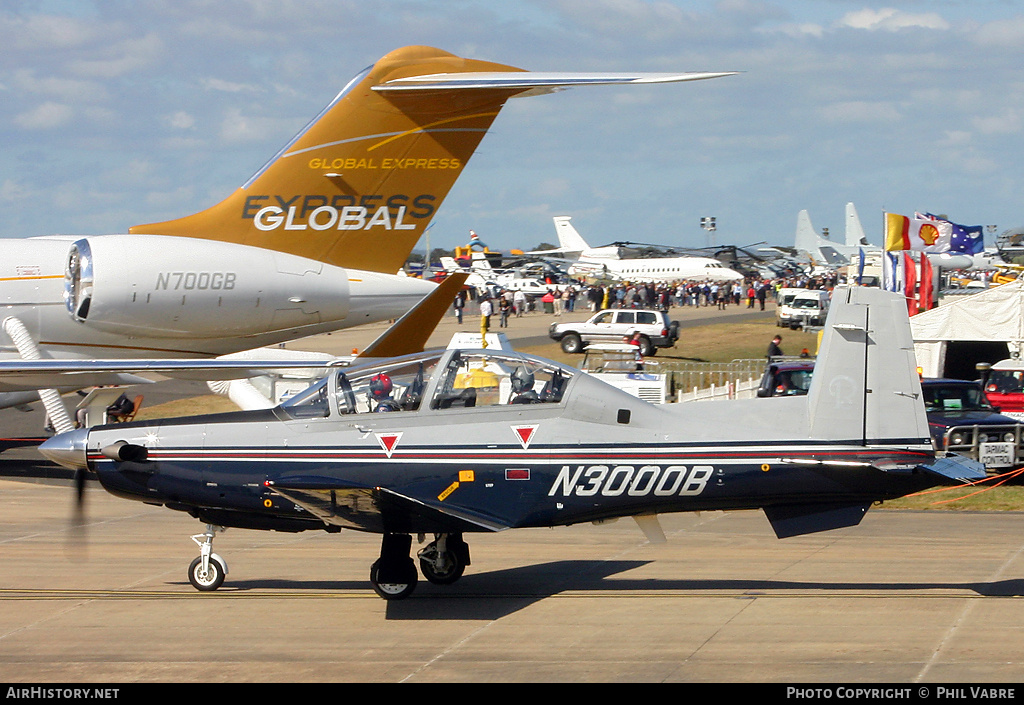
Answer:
(359, 185)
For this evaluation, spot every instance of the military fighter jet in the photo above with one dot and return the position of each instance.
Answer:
(452, 442)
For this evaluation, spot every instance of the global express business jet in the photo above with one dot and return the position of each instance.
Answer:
(308, 244)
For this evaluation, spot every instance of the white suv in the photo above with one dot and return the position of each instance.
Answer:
(611, 326)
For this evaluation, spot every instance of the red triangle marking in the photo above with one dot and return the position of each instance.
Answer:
(388, 441)
(525, 434)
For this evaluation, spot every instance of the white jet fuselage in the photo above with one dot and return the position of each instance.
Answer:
(172, 297)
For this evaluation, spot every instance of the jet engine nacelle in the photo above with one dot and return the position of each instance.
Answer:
(172, 287)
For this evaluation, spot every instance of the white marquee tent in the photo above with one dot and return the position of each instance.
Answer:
(993, 315)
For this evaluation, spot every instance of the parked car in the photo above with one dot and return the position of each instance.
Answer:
(960, 417)
(1005, 387)
(801, 308)
(612, 325)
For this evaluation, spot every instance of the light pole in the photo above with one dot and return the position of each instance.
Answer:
(708, 223)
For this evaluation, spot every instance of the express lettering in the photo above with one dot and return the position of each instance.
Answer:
(352, 163)
(606, 481)
(189, 281)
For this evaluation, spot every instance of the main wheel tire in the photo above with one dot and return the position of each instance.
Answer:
(452, 570)
(571, 343)
(392, 591)
(208, 581)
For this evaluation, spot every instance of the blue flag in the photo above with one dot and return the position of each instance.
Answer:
(966, 239)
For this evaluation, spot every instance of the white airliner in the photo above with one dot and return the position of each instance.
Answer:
(309, 244)
(607, 262)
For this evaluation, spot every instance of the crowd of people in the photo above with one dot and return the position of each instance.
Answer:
(563, 298)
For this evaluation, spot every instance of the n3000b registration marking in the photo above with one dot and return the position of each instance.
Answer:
(589, 481)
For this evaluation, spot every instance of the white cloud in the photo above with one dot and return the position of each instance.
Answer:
(45, 116)
(120, 58)
(28, 81)
(45, 32)
(181, 121)
(217, 84)
(236, 127)
(804, 29)
(860, 111)
(1005, 33)
(1005, 123)
(12, 191)
(892, 20)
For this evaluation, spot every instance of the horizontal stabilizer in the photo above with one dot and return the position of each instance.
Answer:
(534, 81)
(957, 468)
(797, 519)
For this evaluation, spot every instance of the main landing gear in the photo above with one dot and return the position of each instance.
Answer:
(442, 562)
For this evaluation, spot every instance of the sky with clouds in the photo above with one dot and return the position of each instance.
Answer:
(118, 112)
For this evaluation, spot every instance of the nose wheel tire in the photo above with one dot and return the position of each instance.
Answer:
(208, 580)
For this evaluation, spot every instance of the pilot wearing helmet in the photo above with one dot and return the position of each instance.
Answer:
(522, 387)
(380, 394)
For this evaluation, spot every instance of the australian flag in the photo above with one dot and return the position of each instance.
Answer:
(966, 239)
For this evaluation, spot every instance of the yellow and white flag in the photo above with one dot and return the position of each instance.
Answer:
(924, 235)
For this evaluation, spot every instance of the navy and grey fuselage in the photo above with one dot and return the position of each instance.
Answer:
(463, 447)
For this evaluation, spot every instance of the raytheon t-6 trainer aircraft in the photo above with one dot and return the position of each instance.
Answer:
(454, 442)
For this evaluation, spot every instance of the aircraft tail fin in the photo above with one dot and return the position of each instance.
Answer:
(865, 387)
(854, 231)
(821, 250)
(358, 186)
(807, 238)
(568, 239)
(480, 261)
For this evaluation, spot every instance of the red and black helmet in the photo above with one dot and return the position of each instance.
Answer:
(380, 386)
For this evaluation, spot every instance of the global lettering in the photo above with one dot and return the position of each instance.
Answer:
(350, 163)
(188, 281)
(627, 480)
(340, 212)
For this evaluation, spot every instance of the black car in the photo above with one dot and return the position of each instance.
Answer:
(960, 417)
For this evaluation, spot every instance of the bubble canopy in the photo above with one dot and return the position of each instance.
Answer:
(432, 381)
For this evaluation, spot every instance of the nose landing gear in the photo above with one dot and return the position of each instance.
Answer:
(208, 570)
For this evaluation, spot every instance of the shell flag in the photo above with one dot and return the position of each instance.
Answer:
(924, 235)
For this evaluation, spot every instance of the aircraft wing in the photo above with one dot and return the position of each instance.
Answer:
(408, 335)
(377, 509)
(49, 373)
(534, 82)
